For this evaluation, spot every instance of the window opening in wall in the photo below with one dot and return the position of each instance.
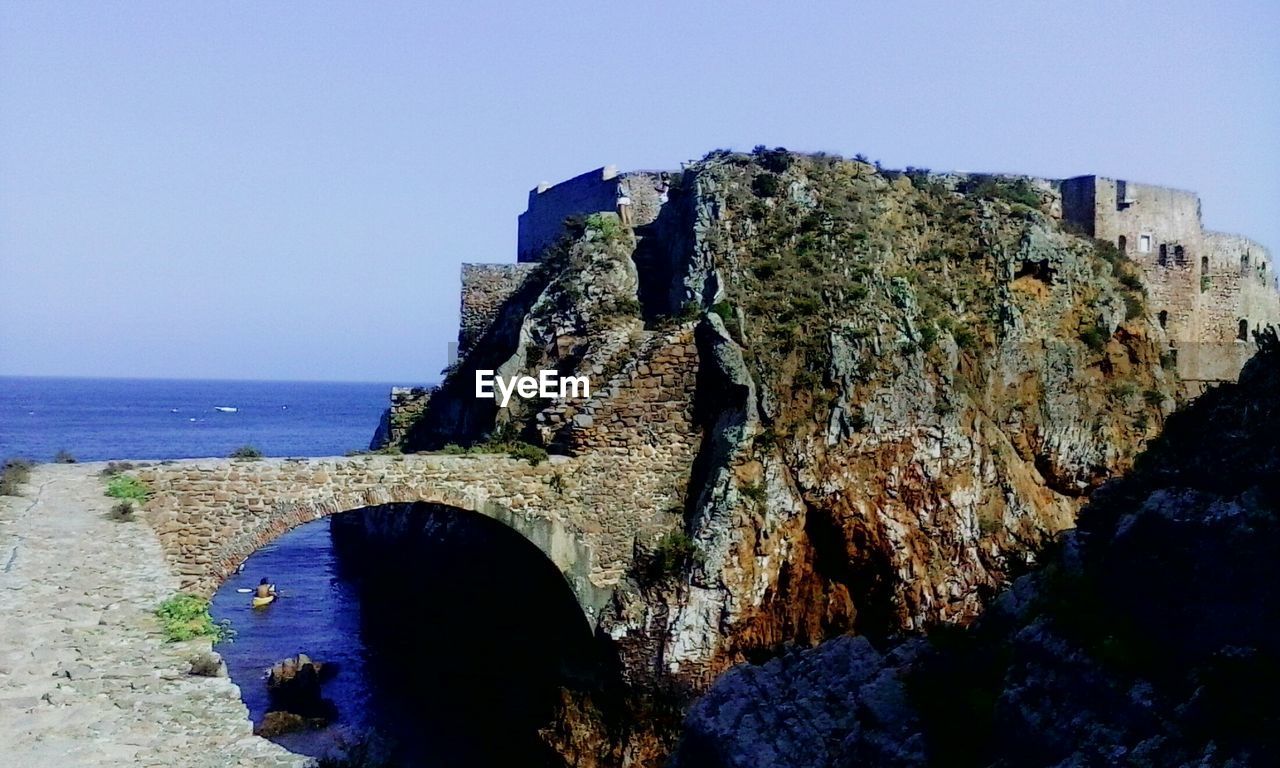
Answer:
(1179, 255)
(1164, 318)
(1124, 198)
(1242, 333)
(1204, 266)
(1244, 263)
(1164, 255)
(1144, 243)
(1122, 243)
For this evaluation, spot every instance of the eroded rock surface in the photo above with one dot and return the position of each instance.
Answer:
(1150, 637)
(903, 386)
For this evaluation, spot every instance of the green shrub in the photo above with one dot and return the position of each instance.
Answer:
(183, 617)
(127, 487)
(1009, 190)
(928, 337)
(606, 224)
(1123, 390)
(246, 452)
(766, 185)
(521, 450)
(1133, 306)
(674, 553)
(964, 337)
(623, 306)
(1094, 338)
(64, 457)
(754, 491)
(453, 449)
(13, 474)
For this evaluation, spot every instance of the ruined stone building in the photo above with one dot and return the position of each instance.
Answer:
(1208, 291)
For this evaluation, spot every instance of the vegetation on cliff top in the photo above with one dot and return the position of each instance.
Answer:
(823, 254)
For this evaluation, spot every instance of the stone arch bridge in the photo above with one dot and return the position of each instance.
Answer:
(584, 513)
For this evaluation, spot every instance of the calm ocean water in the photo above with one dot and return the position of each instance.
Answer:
(102, 419)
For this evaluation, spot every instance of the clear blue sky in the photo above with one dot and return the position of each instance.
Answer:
(286, 189)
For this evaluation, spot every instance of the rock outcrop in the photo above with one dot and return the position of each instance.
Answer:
(294, 688)
(903, 386)
(1148, 638)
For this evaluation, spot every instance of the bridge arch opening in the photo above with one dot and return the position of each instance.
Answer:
(465, 629)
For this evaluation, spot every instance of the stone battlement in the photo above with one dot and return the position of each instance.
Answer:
(597, 191)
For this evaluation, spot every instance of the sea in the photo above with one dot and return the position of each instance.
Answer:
(121, 419)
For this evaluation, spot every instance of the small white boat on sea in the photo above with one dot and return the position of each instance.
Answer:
(225, 408)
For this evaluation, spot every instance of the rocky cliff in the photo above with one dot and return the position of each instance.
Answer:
(886, 391)
(1148, 638)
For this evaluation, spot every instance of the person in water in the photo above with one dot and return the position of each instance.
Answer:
(265, 589)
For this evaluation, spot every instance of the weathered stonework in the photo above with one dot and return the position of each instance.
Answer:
(586, 514)
(1208, 291)
(407, 404)
(485, 288)
(647, 403)
(596, 191)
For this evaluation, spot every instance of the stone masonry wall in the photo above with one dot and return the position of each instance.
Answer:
(586, 514)
(407, 404)
(592, 192)
(485, 288)
(543, 221)
(647, 404)
(1200, 285)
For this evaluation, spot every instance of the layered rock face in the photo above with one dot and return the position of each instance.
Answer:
(1149, 637)
(883, 392)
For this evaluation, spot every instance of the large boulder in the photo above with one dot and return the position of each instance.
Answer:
(294, 686)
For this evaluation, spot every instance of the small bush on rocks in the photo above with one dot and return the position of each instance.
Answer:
(64, 457)
(675, 552)
(534, 454)
(122, 512)
(183, 617)
(13, 474)
(246, 452)
(116, 467)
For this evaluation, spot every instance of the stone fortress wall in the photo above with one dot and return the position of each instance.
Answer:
(1208, 291)
(486, 287)
(595, 191)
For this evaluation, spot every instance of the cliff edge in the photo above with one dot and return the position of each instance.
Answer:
(869, 398)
